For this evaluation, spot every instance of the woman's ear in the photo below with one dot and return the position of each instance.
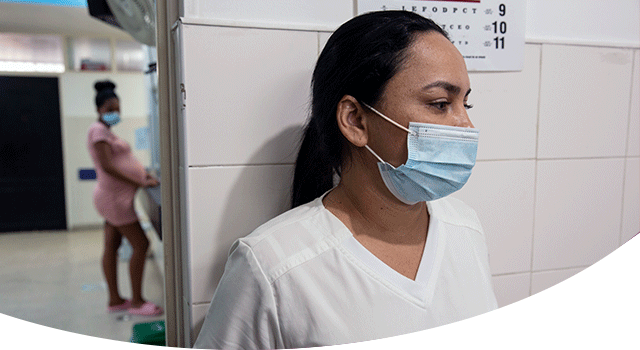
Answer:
(351, 121)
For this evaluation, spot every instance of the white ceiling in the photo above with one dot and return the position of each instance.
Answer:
(48, 19)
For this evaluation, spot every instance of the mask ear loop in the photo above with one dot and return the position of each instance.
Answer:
(377, 156)
(390, 120)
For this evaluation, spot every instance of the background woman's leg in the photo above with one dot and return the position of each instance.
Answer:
(112, 241)
(136, 236)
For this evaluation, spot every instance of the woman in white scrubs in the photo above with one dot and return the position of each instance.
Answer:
(385, 251)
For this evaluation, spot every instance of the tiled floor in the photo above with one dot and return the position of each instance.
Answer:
(55, 279)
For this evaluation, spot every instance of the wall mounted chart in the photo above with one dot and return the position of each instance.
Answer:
(488, 33)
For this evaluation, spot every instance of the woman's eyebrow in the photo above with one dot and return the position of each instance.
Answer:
(443, 85)
(454, 89)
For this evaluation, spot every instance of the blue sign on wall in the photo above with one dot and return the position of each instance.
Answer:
(86, 174)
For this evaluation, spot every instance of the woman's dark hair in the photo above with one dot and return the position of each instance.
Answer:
(358, 60)
(104, 91)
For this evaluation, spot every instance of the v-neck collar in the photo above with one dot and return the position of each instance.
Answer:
(421, 289)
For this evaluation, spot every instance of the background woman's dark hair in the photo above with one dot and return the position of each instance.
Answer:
(104, 91)
(358, 60)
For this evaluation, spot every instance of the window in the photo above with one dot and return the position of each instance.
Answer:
(31, 53)
(130, 56)
(89, 54)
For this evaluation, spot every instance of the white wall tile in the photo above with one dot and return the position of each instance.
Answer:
(225, 203)
(506, 109)
(583, 21)
(323, 37)
(633, 148)
(329, 13)
(577, 217)
(198, 314)
(545, 279)
(584, 103)
(502, 193)
(631, 206)
(247, 93)
(511, 288)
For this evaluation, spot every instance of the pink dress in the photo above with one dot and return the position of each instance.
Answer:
(112, 197)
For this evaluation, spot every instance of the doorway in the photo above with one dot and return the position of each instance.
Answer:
(32, 193)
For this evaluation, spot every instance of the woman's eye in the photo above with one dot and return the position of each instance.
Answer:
(468, 106)
(440, 105)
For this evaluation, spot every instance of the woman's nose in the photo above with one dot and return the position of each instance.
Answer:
(462, 119)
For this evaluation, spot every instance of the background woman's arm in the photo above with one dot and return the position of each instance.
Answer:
(103, 151)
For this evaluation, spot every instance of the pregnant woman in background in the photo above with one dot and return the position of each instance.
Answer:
(119, 175)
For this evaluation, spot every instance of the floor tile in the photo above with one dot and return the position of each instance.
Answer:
(55, 279)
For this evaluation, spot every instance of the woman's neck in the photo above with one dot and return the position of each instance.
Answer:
(103, 123)
(363, 203)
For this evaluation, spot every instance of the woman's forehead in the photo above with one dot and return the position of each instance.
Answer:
(112, 102)
(432, 57)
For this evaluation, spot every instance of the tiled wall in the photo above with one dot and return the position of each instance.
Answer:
(557, 180)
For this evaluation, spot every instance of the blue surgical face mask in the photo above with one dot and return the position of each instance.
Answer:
(439, 162)
(111, 118)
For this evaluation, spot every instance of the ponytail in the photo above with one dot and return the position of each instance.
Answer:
(313, 174)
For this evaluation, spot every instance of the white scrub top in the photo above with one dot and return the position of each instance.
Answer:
(303, 280)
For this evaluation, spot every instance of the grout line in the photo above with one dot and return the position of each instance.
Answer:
(535, 173)
(531, 272)
(533, 227)
(624, 181)
(479, 161)
(256, 24)
(236, 165)
(564, 268)
(634, 69)
(560, 42)
(550, 158)
(511, 274)
(504, 160)
(583, 158)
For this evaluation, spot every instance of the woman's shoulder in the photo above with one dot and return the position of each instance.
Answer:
(455, 212)
(97, 126)
(298, 221)
(294, 237)
(97, 131)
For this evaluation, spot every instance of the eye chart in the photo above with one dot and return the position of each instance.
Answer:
(488, 33)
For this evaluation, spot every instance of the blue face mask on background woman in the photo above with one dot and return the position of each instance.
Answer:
(111, 118)
(439, 163)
